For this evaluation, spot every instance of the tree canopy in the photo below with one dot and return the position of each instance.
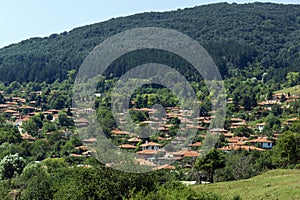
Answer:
(260, 37)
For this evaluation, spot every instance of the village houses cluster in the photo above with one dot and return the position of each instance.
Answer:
(17, 111)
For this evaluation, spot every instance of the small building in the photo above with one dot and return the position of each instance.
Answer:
(89, 140)
(260, 126)
(117, 132)
(135, 140)
(127, 146)
(81, 122)
(263, 142)
(151, 146)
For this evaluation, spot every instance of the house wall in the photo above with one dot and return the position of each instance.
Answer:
(266, 145)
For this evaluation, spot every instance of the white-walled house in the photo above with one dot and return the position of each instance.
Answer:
(151, 146)
(263, 142)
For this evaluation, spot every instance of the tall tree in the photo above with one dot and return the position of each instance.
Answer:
(287, 149)
(214, 160)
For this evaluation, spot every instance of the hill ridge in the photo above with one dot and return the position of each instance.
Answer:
(264, 33)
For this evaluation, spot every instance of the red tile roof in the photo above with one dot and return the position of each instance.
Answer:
(26, 136)
(10, 111)
(127, 146)
(166, 166)
(196, 144)
(261, 140)
(119, 132)
(152, 144)
(243, 147)
(134, 140)
(82, 121)
(186, 153)
(147, 152)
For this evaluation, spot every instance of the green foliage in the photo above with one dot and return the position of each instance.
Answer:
(174, 191)
(49, 127)
(138, 116)
(243, 164)
(4, 190)
(272, 121)
(215, 159)
(38, 186)
(287, 151)
(11, 165)
(276, 110)
(65, 120)
(295, 127)
(33, 125)
(292, 78)
(40, 149)
(265, 35)
(106, 120)
(290, 90)
(9, 133)
(243, 131)
(53, 180)
(53, 164)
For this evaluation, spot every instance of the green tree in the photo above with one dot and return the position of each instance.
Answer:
(243, 131)
(54, 164)
(292, 78)
(272, 121)
(214, 160)
(11, 165)
(10, 134)
(2, 99)
(137, 116)
(287, 149)
(38, 184)
(34, 124)
(65, 120)
(295, 127)
(58, 103)
(276, 110)
(49, 127)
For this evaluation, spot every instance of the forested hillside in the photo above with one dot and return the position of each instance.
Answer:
(261, 37)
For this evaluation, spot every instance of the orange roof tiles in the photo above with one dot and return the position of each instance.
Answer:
(28, 107)
(243, 147)
(26, 136)
(127, 146)
(293, 119)
(236, 120)
(10, 111)
(166, 166)
(153, 144)
(134, 140)
(147, 152)
(164, 139)
(89, 140)
(119, 132)
(82, 121)
(196, 144)
(186, 153)
(261, 140)
(228, 134)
